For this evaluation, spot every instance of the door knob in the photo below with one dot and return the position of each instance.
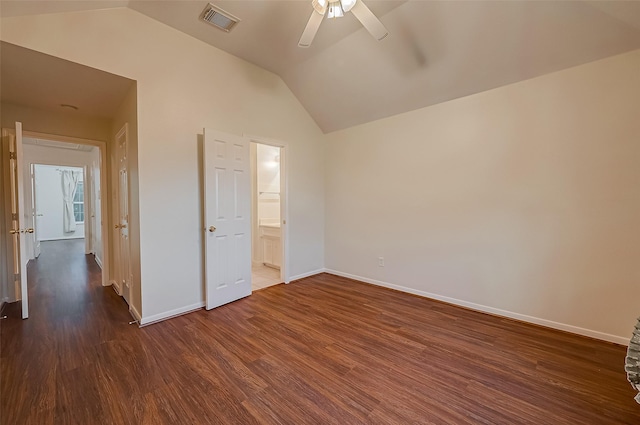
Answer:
(14, 231)
(123, 226)
(212, 229)
(117, 226)
(29, 230)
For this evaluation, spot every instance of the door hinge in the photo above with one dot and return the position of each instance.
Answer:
(14, 216)
(16, 276)
(13, 155)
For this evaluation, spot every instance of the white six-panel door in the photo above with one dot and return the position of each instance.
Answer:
(227, 211)
(122, 226)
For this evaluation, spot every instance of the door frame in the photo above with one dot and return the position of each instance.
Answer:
(284, 198)
(102, 146)
(35, 246)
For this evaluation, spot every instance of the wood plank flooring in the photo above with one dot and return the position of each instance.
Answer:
(323, 350)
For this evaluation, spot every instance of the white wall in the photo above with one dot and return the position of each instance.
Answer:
(50, 204)
(268, 175)
(185, 85)
(523, 200)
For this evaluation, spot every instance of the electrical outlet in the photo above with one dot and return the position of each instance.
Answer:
(380, 261)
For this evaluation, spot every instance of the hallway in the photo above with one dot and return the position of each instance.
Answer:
(70, 314)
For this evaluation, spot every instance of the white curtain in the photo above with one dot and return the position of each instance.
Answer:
(69, 186)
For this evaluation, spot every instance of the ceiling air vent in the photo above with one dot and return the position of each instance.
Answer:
(219, 18)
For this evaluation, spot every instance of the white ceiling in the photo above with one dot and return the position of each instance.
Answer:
(436, 50)
(40, 81)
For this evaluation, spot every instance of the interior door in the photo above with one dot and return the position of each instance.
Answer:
(34, 212)
(124, 261)
(18, 220)
(227, 211)
(92, 209)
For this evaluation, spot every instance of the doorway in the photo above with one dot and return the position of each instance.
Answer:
(267, 253)
(233, 244)
(59, 181)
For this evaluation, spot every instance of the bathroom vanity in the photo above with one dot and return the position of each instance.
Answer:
(270, 243)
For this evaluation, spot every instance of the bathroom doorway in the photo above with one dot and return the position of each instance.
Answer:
(268, 221)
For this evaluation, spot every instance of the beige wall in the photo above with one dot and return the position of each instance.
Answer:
(523, 200)
(185, 85)
(58, 123)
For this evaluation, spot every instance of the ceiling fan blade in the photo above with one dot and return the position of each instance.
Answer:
(369, 20)
(311, 29)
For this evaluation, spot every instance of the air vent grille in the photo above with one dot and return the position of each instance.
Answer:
(219, 18)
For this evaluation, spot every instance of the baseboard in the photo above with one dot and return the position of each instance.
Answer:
(491, 310)
(116, 287)
(135, 314)
(303, 275)
(98, 261)
(170, 314)
(64, 238)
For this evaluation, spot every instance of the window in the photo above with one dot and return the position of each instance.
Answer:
(78, 203)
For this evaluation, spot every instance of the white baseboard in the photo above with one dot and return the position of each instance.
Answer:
(491, 310)
(135, 314)
(170, 314)
(98, 261)
(303, 275)
(63, 238)
(116, 287)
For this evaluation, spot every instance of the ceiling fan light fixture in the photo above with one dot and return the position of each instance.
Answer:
(320, 6)
(347, 5)
(335, 10)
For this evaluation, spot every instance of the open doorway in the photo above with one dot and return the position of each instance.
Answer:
(63, 201)
(63, 211)
(267, 183)
(58, 182)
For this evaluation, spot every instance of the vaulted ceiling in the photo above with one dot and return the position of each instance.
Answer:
(436, 50)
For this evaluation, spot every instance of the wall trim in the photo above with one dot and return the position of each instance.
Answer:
(136, 315)
(491, 310)
(171, 314)
(115, 287)
(64, 238)
(303, 275)
(98, 261)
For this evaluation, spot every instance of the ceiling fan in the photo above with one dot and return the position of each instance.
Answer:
(336, 9)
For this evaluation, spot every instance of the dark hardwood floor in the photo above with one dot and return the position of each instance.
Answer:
(323, 350)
